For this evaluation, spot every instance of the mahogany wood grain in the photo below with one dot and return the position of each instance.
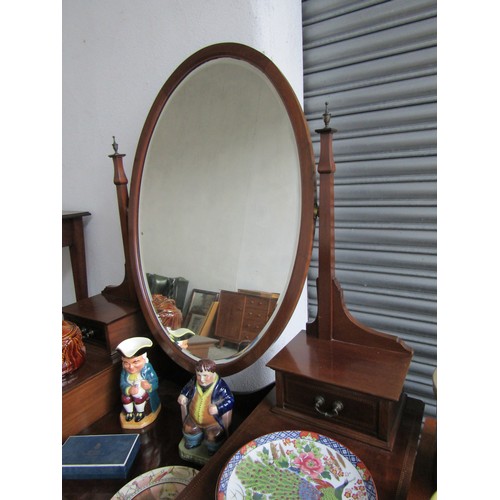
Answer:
(90, 392)
(333, 320)
(125, 290)
(341, 361)
(361, 368)
(424, 479)
(73, 237)
(113, 319)
(368, 381)
(326, 249)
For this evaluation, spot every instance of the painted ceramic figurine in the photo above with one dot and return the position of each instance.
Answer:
(138, 384)
(180, 336)
(206, 407)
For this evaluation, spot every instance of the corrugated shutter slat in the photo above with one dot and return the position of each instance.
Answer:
(374, 62)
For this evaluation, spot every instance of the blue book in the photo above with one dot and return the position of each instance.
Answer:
(107, 456)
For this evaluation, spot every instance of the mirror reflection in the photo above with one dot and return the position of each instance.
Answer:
(219, 209)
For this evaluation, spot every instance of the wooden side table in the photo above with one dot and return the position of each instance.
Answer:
(199, 346)
(72, 236)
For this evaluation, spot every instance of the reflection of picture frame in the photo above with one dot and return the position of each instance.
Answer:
(199, 305)
(195, 322)
(208, 322)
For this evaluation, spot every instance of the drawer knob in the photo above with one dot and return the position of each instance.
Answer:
(337, 407)
(87, 332)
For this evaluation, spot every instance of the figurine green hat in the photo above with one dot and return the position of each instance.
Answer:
(135, 346)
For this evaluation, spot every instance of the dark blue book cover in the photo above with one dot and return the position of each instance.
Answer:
(106, 456)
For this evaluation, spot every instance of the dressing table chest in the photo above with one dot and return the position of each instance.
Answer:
(337, 377)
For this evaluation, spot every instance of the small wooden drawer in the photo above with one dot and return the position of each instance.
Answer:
(249, 332)
(257, 303)
(361, 416)
(252, 325)
(342, 387)
(354, 410)
(106, 322)
(254, 314)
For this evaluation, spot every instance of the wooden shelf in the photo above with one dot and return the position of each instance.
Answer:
(112, 320)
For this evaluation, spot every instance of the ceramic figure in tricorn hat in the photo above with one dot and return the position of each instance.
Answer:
(138, 384)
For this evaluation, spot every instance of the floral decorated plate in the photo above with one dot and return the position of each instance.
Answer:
(295, 464)
(162, 483)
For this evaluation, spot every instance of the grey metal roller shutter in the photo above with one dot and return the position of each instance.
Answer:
(374, 62)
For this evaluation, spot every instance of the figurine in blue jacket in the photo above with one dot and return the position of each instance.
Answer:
(138, 380)
(206, 407)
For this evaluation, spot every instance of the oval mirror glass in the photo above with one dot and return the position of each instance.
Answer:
(221, 208)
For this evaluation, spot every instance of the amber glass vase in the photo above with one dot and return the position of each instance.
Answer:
(73, 348)
(168, 313)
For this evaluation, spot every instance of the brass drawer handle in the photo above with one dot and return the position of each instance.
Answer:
(337, 407)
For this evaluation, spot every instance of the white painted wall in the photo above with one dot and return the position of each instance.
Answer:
(116, 56)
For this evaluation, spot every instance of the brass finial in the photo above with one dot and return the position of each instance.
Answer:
(115, 148)
(326, 116)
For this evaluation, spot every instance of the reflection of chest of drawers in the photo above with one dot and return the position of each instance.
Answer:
(242, 316)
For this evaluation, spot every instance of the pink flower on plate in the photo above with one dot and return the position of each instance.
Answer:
(309, 464)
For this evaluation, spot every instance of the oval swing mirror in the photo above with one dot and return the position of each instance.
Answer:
(221, 208)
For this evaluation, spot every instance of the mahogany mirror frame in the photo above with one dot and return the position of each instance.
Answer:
(306, 230)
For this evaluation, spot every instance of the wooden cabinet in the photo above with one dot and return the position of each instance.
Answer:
(93, 390)
(107, 321)
(90, 392)
(360, 387)
(242, 316)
